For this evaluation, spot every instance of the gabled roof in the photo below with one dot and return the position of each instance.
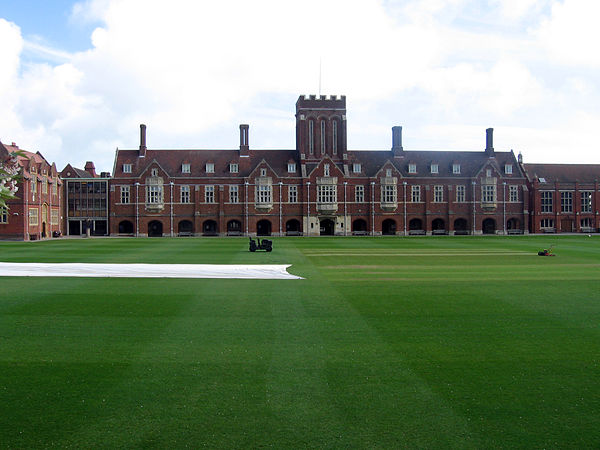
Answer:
(563, 173)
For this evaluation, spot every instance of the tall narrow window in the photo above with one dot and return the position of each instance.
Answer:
(586, 201)
(456, 168)
(388, 193)
(513, 194)
(326, 170)
(125, 190)
(547, 201)
(359, 194)
(322, 137)
(33, 216)
(3, 215)
(234, 196)
(185, 194)
(438, 194)
(415, 194)
(311, 137)
(566, 202)
(488, 193)
(460, 194)
(293, 194)
(335, 137)
(209, 194)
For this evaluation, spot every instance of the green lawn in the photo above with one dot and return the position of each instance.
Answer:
(437, 342)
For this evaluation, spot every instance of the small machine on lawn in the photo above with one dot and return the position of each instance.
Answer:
(265, 244)
(546, 252)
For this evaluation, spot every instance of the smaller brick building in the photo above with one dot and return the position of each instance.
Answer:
(564, 197)
(36, 212)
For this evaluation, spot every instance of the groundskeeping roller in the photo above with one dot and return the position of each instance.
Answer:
(230, 271)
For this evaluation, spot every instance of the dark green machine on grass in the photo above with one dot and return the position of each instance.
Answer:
(265, 244)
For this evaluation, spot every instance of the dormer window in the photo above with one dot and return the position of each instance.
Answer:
(126, 168)
(435, 168)
(186, 168)
(388, 172)
(412, 168)
(291, 168)
(326, 170)
(263, 172)
(456, 168)
(508, 169)
(234, 168)
(210, 168)
(356, 168)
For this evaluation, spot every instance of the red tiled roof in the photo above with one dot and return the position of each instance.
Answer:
(564, 173)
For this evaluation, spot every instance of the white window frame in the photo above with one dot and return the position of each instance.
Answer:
(209, 194)
(359, 193)
(234, 193)
(456, 169)
(184, 194)
(125, 194)
(293, 194)
(126, 168)
(291, 167)
(264, 194)
(488, 193)
(186, 168)
(234, 167)
(33, 216)
(326, 170)
(389, 193)
(3, 215)
(412, 168)
(415, 194)
(210, 167)
(508, 169)
(435, 168)
(587, 222)
(566, 201)
(513, 193)
(54, 216)
(154, 194)
(356, 167)
(327, 193)
(461, 193)
(586, 201)
(263, 172)
(547, 223)
(438, 193)
(388, 173)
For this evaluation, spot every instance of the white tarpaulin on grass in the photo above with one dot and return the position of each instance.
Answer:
(239, 271)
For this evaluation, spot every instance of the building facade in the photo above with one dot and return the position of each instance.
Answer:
(36, 212)
(564, 197)
(86, 201)
(318, 188)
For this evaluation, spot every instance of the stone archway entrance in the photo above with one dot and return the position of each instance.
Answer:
(155, 229)
(327, 227)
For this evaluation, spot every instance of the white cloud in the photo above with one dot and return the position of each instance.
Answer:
(193, 70)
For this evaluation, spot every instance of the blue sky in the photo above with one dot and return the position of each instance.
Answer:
(79, 77)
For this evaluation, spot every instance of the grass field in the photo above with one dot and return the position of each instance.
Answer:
(437, 342)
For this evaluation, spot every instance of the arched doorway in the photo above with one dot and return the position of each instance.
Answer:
(327, 227)
(438, 226)
(234, 228)
(415, 225)
(44, 219)
(388, 227)
(461, 226)
(125, 227)
(185, 228)
(512, 224)
(155, 229)
(293, 227)
(489, 226)
(263, 228)
(209, 228)
(359, 226)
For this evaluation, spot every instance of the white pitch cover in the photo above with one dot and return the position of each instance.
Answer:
(230, 271)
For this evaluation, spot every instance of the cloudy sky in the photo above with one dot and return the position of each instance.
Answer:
(77, 78)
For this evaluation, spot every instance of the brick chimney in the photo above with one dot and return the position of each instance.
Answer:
(90, 168)
(142, 152)
(244, 145)
(397, 148)
(489, 142)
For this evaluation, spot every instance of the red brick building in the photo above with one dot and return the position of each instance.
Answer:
(564, 197)
(36, 212)
(318, 188)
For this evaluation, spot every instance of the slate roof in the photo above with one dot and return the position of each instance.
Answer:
(563, 173)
